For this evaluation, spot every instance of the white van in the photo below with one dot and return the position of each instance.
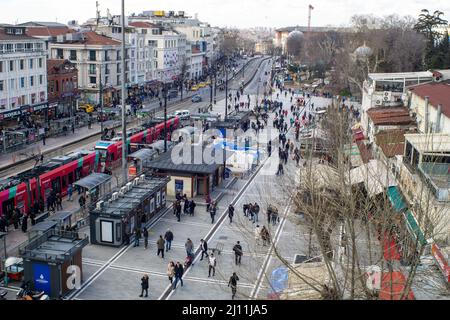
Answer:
(182, 114)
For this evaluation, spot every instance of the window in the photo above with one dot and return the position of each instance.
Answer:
(22, 64)
(41, 79)
(118, 80)
(33, 98)
(31, 63)
(92, 80)
(92, 55)
(59, 54)
(92, 69)
(22, 82)
(73, 55)
(1, 85)
(118, 55)
(12, 84)
(11, 65)
(106, 80)
(31, 81)
(51, 86)
(40, 62)
(118, 68)
(1, 66)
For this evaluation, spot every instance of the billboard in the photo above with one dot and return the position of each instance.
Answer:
(41, 277)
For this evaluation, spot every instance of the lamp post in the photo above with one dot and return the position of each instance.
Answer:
(101, 102)
(226, 89)
(165, 116)
(124, 122)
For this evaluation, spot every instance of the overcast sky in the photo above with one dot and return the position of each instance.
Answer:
(236, 13)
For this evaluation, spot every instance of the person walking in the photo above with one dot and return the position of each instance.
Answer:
(189, 246)
(16, 218)
(145, 238)
(168, 236)
(280, 169)
(230, 212)
(81, 202)
(245, 208)
(171, 271)
(178, 210)
(212, 211)
(257, 234)
(212, 262)
(137, 237)
(264, 235)
(208, 202)
(255, 212)
(237, 253)
(144, 286)
(192, 206)
(160, 245)
(233, 284)
(59, 201)
(179, 271)
(204, 248)
(70, 192)
(24, 223)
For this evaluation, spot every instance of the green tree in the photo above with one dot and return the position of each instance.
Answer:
(427, 24)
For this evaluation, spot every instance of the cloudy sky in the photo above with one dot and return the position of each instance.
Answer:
(237, 13)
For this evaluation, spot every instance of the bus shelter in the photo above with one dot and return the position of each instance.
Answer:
(115, 217)
(94, 186)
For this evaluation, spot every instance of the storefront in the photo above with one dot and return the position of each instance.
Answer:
(116, 216)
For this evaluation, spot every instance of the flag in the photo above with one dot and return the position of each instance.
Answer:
(311, 7)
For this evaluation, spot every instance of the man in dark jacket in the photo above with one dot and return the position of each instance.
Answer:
(237, 252)
(24, 223)
(179, 270)
(204, 248)
(192, 206)
(212, 211)
(137, 237)
(144, 285)
(145, 238)
(169, 238)
(160, 244)
(233, 283)
(230, 212)
(16, 218)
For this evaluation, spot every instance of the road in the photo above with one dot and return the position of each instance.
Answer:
(89, 143)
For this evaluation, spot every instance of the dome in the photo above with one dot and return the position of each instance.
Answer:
(295, 33)
(363, 51)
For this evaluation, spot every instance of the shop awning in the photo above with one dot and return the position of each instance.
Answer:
(92, 181)
(396, 198)
(413, 226)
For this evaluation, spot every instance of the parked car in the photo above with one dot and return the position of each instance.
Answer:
(197, 98)
(194, 88)
(182, 114)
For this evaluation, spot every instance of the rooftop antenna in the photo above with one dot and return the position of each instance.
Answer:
(97, 11)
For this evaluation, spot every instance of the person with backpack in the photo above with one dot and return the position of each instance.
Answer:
(233, 283)
(237, 253)
(168, 236)
(212, 262)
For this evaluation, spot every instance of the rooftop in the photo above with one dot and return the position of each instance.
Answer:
(42, 24)
(5, 37)
(392, 143)
(438, 93)
(92, 38)
(195, 162)
(48, 31)
(429, 143)
(390, 116)
(400, 75)
(142, 24)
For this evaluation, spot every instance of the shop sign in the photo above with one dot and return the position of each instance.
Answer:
(39, 107)
(10, 114)
(441, 261)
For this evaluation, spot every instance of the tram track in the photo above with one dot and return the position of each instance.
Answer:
(109, 264)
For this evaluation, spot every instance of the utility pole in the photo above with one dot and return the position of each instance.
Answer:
(165, 116)
(226, 89)
(101, 102)
(211, 87)
(124, 122)
(309, 17)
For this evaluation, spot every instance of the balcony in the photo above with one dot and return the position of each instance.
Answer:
(437, 178)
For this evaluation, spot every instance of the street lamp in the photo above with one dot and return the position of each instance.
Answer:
(101, 102)
(226, 87)
(124, 122)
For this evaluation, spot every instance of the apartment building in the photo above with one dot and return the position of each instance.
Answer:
(23, 72)
(99, 61)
